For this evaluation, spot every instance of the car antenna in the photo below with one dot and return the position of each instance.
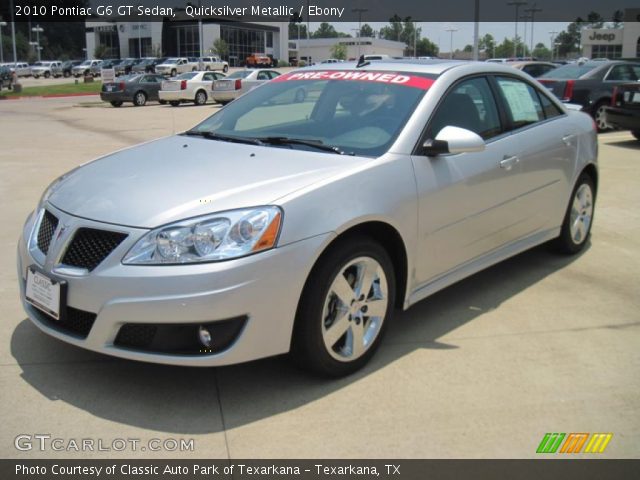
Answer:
(362, 62)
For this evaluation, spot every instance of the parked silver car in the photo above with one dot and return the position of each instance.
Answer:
(277, 225)
(239, 82)
(47, 69)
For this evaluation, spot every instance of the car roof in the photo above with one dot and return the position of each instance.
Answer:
(430, 66)
(530, 62)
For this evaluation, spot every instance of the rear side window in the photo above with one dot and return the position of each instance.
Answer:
(523, 103)
(622, 73)
(470, 105)
(549, 109)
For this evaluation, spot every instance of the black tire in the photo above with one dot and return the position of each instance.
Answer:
(600, 116)
(194, 69)
(116, 103)
(308, 347)
(207, 69)
(36, 76)
(174, 103)
(162, 102)
(200, 98)
(66, 74)
(140, 99)
(225, 69)
(173, 72)
(47, 74)
(636, 133)
(566, 243)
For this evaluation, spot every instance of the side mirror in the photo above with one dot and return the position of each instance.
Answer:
(454, 140)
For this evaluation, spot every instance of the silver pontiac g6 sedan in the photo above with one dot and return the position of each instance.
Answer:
(288, 224)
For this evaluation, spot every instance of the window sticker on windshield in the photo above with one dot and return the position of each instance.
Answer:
(391, 78)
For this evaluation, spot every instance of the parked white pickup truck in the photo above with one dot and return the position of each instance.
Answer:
(175, 65)
(22, 69)
(213, 63)
(47, 69)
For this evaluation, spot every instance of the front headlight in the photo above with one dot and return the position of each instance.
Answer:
(220, 236)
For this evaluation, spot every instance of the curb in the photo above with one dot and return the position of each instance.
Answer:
(53, 95)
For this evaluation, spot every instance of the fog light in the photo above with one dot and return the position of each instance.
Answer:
(205, 336)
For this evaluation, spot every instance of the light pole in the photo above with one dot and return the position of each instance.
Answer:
(553, 36)
(476, 30)
(451, 30)
(524, 19)
(532, 11)
(38, 29)
(13, 33)
(517, 4)
(2, 24)
(359, 11)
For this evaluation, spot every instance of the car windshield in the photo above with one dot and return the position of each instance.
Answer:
(351, 112)
(240, 74)
(186, 76)
(86, 62)
(569, 71)
(171, 60)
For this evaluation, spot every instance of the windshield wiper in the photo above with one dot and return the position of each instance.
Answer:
(317, 144)
(223, 138)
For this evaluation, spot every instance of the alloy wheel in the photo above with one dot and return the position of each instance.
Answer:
(581, 214)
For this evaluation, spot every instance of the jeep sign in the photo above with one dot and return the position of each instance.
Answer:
(600, 36)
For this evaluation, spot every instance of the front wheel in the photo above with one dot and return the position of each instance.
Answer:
(576, 227)
(139, 99)
(225, 69)
(345, 308)
(174, 103)
(173, 72)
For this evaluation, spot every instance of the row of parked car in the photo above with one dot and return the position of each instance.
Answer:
(196, 87)
(167, 66)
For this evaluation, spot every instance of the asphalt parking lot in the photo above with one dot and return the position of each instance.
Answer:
(540, 343)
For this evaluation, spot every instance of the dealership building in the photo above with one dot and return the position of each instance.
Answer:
(318, 49)
(182, 38)
(614, 42)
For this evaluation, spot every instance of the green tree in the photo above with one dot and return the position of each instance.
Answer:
(541, 52)
(220, 47)
(595, 20)
(426, 48)
(366, 30)
(617, 18)
(487, 44)
(394, 30)
(339, 51)
(325, 30)
(468, 48)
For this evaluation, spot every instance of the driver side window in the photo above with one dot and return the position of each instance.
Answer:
(470, 105)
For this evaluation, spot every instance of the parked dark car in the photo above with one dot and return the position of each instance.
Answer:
(96, 69)
(533, 68)
(624, 112)
(136, 88)
(6, 77)
(68, 65)
(125, 66)
(147, 65)
(590, 84)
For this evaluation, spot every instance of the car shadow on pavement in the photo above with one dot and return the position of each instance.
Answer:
(206, 400)
(630, 144)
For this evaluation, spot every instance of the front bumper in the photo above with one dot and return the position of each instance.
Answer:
(624, 118)
(264, 288)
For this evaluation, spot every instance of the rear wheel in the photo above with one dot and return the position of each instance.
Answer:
(344, 308)
(174, 103)
(636, 133)
(576, 227)
(140, 99)
(116, 103)
(600, 116)
(201, 97)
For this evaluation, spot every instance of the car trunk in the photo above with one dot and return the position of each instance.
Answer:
(558, 87)
(627, 96)
(172, 85)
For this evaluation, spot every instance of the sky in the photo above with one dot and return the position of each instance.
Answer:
(435, 31)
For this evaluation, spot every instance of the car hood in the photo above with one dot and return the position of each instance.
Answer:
(180, 177)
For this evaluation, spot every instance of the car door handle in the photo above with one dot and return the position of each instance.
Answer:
(508, 162)
(568, 138)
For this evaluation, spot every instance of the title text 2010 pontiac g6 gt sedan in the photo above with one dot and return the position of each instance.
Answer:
(279, 225)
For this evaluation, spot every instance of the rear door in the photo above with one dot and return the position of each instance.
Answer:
(151, 85)
(546, 146)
